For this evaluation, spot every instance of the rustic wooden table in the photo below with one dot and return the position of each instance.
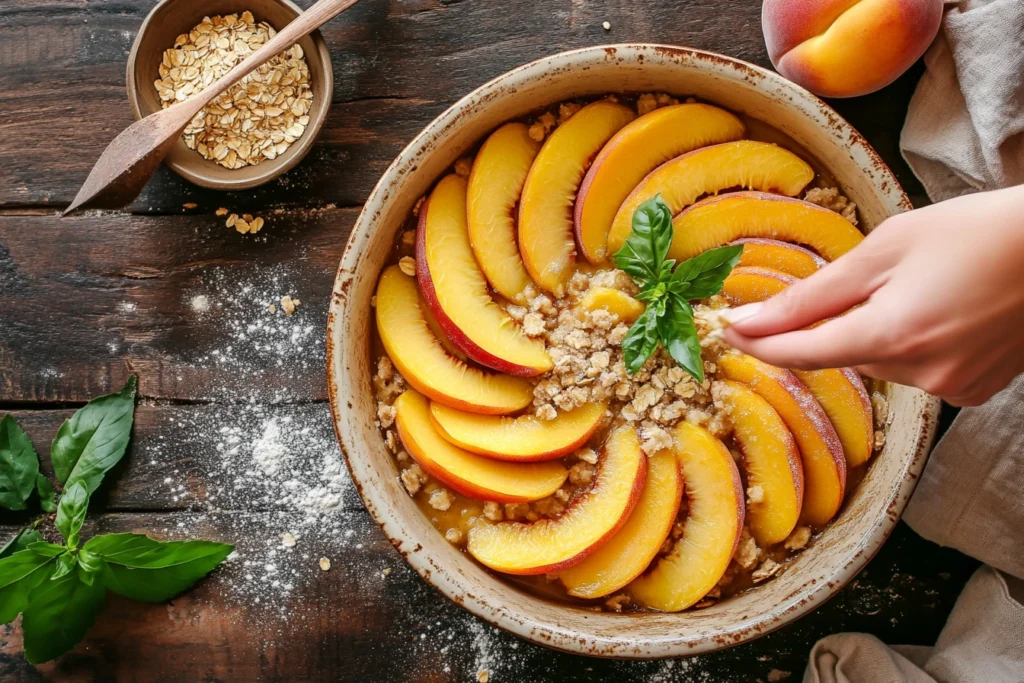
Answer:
(168, 292)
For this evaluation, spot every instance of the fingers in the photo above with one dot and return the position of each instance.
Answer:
(834, 289)
(852, 339)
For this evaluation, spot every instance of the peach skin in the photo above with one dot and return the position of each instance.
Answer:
(845, 48)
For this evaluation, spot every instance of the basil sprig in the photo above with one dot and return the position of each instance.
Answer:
(60, 588)
(668, 289)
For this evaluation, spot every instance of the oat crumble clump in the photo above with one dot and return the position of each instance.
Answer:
(747, 553)
(798, 539)
(413, 477)
(765, 571)
(454, 536)
(407, 264)
(256, 119)
(441, 499)
(831, 199)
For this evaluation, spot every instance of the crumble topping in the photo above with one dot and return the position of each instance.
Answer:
(831, 199)
(798, 539)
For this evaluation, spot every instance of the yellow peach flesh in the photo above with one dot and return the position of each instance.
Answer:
(821, 452)
(552, 545)
(782, 256)
(747, 285)
(470, 474)
(635, 151)
(772, 463)
(525, 439)
(495, 183)
(618, 303)
(719, 220)
(714, 520)
(546, 240)
(844, 398)
(631, 549)
(455, 289)
(423, 362)
(680, 182)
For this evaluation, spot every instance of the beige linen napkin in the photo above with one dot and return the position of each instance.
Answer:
(964, 133)
(965, 123)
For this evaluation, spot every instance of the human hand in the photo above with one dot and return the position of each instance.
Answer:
(937, 299)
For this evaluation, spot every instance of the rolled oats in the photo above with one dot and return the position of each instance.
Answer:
(259, 117)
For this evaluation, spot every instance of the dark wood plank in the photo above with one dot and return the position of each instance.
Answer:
(200, 457)
(353, 623)
(397, 65)
(88, 300)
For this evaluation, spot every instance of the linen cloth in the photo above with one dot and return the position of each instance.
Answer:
(964, 133)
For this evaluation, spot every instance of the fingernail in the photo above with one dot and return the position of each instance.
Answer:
(738, 315)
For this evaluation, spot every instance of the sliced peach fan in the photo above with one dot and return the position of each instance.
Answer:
(455, 289)
(631, 549)
(546, 240)
(788, 258)
(681, 181)
(495, 183)
(720, 220)
(821, 452)
(775, 475)
(522, 439)
(470, 474)
(551, 545)
(632, 153)
(714, 521)
(425, 364)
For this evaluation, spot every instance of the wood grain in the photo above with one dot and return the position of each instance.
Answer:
(397, 65)
(88, 300)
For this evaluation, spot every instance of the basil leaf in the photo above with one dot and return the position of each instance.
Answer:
(46, 549)
(679, 335)
(47, 496)
(142, 568)
(89, 562)
(20, 541)
(19, 465)
(58, 615)
(20, 573)
(642, 339)
(95, 438)
(702, 276)
(65, 565)
(645, 250)
(71, 512)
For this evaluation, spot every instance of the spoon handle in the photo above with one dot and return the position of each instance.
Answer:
(304, 24)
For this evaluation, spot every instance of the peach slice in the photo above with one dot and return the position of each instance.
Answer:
(423, 362)
(635, 151)
(552, 545)
(771, 460)
(468, 473)
(681, 181)
(435, 329)
(520, 439)
(495, 184)
(714, 521)
(618, 303)
(842, 394)
(820, 449)
(719, 220)
(789, 258)
(546, 209)
(625, 556)
(456, 291)
(750, 284)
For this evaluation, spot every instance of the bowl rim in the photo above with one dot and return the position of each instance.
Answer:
(302, 146)
(549, 633)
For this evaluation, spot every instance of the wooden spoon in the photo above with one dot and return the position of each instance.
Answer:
(127, 163)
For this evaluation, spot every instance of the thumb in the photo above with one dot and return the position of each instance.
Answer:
(834, 289)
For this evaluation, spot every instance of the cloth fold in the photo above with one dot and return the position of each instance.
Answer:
(965, 123)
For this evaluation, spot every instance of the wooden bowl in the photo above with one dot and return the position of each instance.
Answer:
(871, 509)
(171, 18)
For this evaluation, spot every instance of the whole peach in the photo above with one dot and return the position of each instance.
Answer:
(844, 48)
